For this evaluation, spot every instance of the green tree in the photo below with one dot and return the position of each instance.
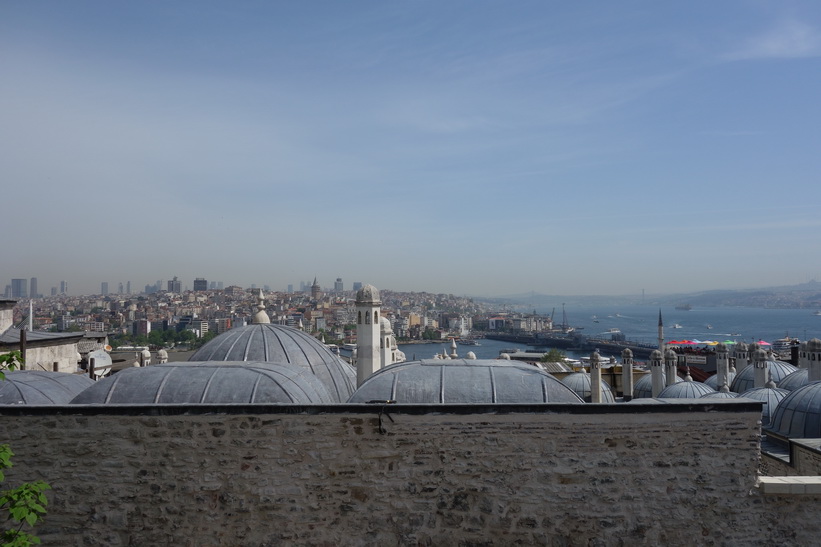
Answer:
(25, 504)
(553, 356)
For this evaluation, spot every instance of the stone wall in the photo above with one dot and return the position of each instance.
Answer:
(638, 474)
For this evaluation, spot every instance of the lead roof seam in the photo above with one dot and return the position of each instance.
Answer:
(162, 384)
(492, 385)
(254, 390)
(208, 385)
(442, 385)
(112, 388)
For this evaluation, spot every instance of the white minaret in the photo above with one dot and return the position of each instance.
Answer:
(670, 367)
(453, 354)
(595, 377)
(368, 310)
(656, 372)
(627, 374)
(661, 334)
(742, 357)
(803, 356)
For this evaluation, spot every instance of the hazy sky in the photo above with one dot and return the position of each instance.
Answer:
(470, 147)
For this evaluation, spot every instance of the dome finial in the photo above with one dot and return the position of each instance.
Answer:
(260, 316)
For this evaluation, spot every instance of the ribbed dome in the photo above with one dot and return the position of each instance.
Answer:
(644, 386)
(798, 415)
(771, 397)
(38, 387)
(745, 379)
(479, 381)
(685, 390)
(580, 383)
(712, 381)
(208, 383)
(283, 345)
(795, 380)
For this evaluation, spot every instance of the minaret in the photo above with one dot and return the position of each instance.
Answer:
(453, 354)
(595, 377)
(368, 309)
(627, 374)
(657, 374)
(742, 357)
(661, 333)
(671, 367)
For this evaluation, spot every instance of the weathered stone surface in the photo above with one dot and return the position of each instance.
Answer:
(436, 478)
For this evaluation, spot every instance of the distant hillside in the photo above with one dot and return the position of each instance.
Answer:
(804, 295)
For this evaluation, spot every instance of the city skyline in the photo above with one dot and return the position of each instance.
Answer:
(458, 147)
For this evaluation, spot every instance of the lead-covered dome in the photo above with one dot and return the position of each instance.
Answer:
(644, 386)
(279, 344)
(770, 396)
(798, 415)
(712, 381)
(368, 294)
(795, 380)
(685, 390)
(38, 387)
(745, 379)
(208, 382)
(581, 385)
(478, 381)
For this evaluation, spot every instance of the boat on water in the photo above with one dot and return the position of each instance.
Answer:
(817, 312)
(684, 307)
(676, 326)
(784, 344)
(709, 326)
(467, 342)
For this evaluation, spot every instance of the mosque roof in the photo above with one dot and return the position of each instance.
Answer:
(770, 396)
(685, 390)
(208, 382)
(463, 381)
(712, 381)
(580, 383)
(720, 395)
(368, 294)
(38, 387)
(643, 389)
(272, 343)
(798, 415)
(794, 380)
(745, 379)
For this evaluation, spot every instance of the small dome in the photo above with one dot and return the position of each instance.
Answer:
(712, 381)
(795, 380)
(643, 389)
(162, 354)
(580, 383)
(273, 343)
(38, 387)
(685, 390)
(814, 344)
(720, 348)
(627, 353)
(745, 379)
(740, 346)
(670, 355)
(368, 295)
(656, 355)
(720, 395)
(208, 382)
(385, 325)
(798, 415)
(769, 396)
(480, 381)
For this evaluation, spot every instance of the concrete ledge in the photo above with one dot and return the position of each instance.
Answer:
(790, 486)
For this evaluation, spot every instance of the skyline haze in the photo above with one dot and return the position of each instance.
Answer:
(451, 147)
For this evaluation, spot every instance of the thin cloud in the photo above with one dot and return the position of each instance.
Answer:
(789, 40)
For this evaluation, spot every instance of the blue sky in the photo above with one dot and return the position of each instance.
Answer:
(470, 147)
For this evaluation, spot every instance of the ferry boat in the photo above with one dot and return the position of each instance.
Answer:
(784, 344)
